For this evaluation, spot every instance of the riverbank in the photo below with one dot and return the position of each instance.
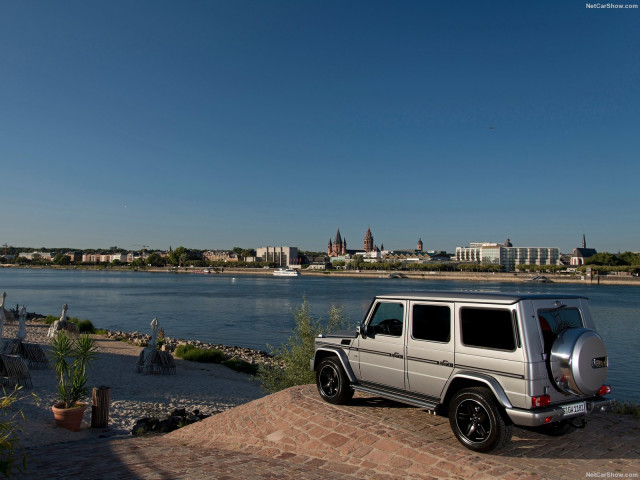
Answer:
(413, 275)
(208, 388)
(440, 276)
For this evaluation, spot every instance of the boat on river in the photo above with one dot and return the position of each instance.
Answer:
(286, 272)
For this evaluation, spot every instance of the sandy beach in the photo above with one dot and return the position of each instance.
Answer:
(209, 388)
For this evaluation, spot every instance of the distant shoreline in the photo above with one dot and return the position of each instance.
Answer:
(426, 276)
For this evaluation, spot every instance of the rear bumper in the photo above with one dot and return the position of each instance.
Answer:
(540, 416)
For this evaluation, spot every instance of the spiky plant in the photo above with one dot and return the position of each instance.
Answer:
(71, 357)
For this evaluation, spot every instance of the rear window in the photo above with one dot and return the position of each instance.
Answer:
(431, 322)
(553, 321)
(487, 328)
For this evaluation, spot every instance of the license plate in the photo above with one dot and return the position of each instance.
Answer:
(574, 408)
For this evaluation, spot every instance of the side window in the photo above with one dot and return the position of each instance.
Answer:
(487, 328)
(431, 322)
(387, 319)
(553, 321)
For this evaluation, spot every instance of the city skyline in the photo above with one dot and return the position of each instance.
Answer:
(221, 124)
(363, 246)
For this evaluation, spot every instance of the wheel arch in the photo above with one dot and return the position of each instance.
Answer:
(324, 352)
(470, 379)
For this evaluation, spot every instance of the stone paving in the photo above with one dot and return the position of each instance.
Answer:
(294, 434)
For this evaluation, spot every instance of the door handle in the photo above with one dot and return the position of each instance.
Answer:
(397, 355)
(446, 363)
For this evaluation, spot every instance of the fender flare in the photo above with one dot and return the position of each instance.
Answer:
(342, 356)
(490, 382)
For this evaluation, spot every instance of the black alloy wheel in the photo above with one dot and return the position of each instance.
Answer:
(477, 421)
(333, 384)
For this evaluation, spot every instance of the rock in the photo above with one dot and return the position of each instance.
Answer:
(170, 344)
(176, 419)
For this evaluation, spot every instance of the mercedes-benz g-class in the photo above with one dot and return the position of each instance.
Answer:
(490, 360)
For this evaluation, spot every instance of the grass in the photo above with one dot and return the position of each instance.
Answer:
(212, 355)
(241, 366)
(202, 355)
(627, 408)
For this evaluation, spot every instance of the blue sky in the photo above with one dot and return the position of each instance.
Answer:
(214, 124)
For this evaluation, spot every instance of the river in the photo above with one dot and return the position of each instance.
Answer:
(255, 311)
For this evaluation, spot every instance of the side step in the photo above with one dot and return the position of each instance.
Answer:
(398, 397)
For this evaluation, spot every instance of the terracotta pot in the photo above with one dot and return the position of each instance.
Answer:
(69, 418)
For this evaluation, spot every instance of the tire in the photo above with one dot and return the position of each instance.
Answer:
(333, 384)
(477, 421)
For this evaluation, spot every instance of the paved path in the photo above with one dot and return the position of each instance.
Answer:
(294, 434)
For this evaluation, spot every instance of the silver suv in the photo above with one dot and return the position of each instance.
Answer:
(491, 360)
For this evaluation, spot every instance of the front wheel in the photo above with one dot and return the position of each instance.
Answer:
(477, 422)
(333, 384)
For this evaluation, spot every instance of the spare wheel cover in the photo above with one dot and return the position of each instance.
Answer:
(579, 361)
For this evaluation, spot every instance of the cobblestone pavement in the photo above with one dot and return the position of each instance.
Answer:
(294, 434)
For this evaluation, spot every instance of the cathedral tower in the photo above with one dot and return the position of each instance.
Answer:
(339, 246)
(368, 241)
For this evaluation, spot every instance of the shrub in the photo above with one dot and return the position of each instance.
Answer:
(197, 354)
(86, 326)
(627, 408)
(300, 347)
(11, 450)
(240, 365)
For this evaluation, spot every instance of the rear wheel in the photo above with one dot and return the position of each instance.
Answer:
(477, 422)
(333, 384)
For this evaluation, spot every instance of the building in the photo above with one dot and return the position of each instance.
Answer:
(581, 254)
(338, 247)
(368, 241)
(507, 255)
(48, 256)
(281, 256)
(220, 256)
(120, 257)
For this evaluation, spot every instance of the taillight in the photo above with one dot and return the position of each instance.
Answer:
(541, 401)
(604, 389)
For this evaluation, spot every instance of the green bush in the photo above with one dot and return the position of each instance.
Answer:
(197, 354)
(298, 350)
(627, 408)
(240, 365)
(86, 326)
(12, 453)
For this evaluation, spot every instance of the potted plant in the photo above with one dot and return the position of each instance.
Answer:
(71, 357)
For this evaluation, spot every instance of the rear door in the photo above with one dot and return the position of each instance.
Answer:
(381, 350)
(430, 347)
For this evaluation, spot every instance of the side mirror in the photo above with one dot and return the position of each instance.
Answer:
(362, 330)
